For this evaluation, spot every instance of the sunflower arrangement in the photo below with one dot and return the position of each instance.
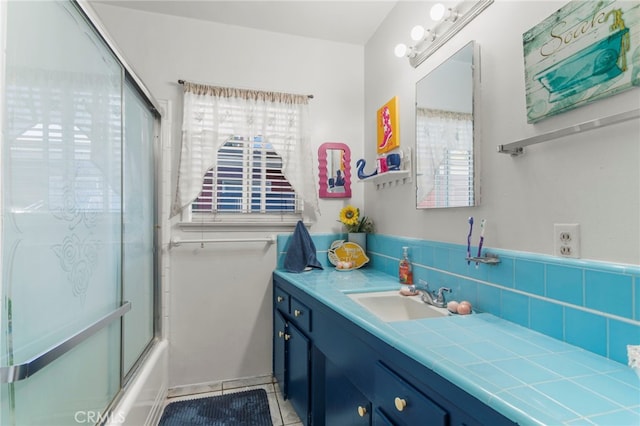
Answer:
(353, 221)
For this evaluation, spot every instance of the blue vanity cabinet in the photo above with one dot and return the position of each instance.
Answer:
(292, 351)
(344, 403)
(379, 419)
(279, 345)
(402, 403)
(301, 314)
(281, 300)
(356, 378)
(297, 370)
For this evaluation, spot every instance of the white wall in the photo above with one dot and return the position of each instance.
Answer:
(220, 297)
(590, 178)
(219, 303)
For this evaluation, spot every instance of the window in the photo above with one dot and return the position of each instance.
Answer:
(454, 180)
(247, 179)
(53, 131)
(245, 155)
(445, 157)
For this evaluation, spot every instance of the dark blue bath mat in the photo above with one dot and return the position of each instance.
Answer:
(249, 408)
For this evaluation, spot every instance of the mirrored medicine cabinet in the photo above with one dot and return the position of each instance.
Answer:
(446, 132)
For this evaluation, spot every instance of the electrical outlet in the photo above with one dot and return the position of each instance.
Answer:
(566, 239)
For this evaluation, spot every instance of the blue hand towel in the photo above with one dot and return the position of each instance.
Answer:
(301, 252)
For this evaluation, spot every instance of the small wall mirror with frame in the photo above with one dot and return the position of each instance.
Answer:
(446, 139)
(334, 170)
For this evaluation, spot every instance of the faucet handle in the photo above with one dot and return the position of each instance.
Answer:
(441, 291)
(423, 282)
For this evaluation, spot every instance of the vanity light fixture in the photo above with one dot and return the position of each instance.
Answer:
(449, 22)
(437, 12)
(401, 50)
(417, 33)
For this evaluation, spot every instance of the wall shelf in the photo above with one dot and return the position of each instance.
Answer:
(393, 178)
(390, 178)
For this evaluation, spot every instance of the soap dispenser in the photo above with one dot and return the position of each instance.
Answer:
(405, 271)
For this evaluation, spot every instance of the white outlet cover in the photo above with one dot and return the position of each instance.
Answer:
(563, 246)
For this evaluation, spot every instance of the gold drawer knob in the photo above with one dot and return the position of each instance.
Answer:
(297, 312)
(287, 336)
(362, 411)
(280, 334)
(280, 299)
(401, 404)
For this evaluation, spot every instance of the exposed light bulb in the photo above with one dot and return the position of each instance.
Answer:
(437, 11)
(400, 50)
(417, 33)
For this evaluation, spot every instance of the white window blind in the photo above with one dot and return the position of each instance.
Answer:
(247, 178)
(454, 179)
(445, 156)
(53, 130)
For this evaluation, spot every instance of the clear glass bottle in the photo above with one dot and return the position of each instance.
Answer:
(405, 271)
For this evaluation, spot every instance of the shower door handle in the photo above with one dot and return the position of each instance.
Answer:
(13, 373)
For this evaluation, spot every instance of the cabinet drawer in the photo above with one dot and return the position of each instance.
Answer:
(301, 315)
(379, 419)
(403, 403)
(281, 300)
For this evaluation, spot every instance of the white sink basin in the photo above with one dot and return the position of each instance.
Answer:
(392, 306)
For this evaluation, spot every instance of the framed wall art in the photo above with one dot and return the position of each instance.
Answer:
(388, 128)
(586, 50)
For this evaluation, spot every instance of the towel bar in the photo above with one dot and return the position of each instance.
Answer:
(14, 373)
(176, 241)
(517, 148)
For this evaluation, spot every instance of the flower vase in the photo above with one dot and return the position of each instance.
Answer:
(360, 238)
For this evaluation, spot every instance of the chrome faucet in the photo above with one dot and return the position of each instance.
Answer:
(434, 298)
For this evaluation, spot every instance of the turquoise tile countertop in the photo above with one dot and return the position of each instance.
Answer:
(527, 376)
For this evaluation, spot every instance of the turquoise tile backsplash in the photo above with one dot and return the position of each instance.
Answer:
(565, 284)
(515, 308)
(587, 330)
(593, 305)
(547, 317)
(609, 292)
(529, 276)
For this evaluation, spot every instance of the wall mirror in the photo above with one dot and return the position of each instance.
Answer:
(334, 170)
(446, 164)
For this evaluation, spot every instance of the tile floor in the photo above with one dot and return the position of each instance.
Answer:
(282, 413)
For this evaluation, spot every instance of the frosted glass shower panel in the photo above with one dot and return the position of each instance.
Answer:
(65, 392)
(61, 186)
(138, 264)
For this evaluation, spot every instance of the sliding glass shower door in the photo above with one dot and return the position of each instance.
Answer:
(138, 226)
(68, 218)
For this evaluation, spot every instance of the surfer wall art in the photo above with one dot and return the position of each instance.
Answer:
(388, 128)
